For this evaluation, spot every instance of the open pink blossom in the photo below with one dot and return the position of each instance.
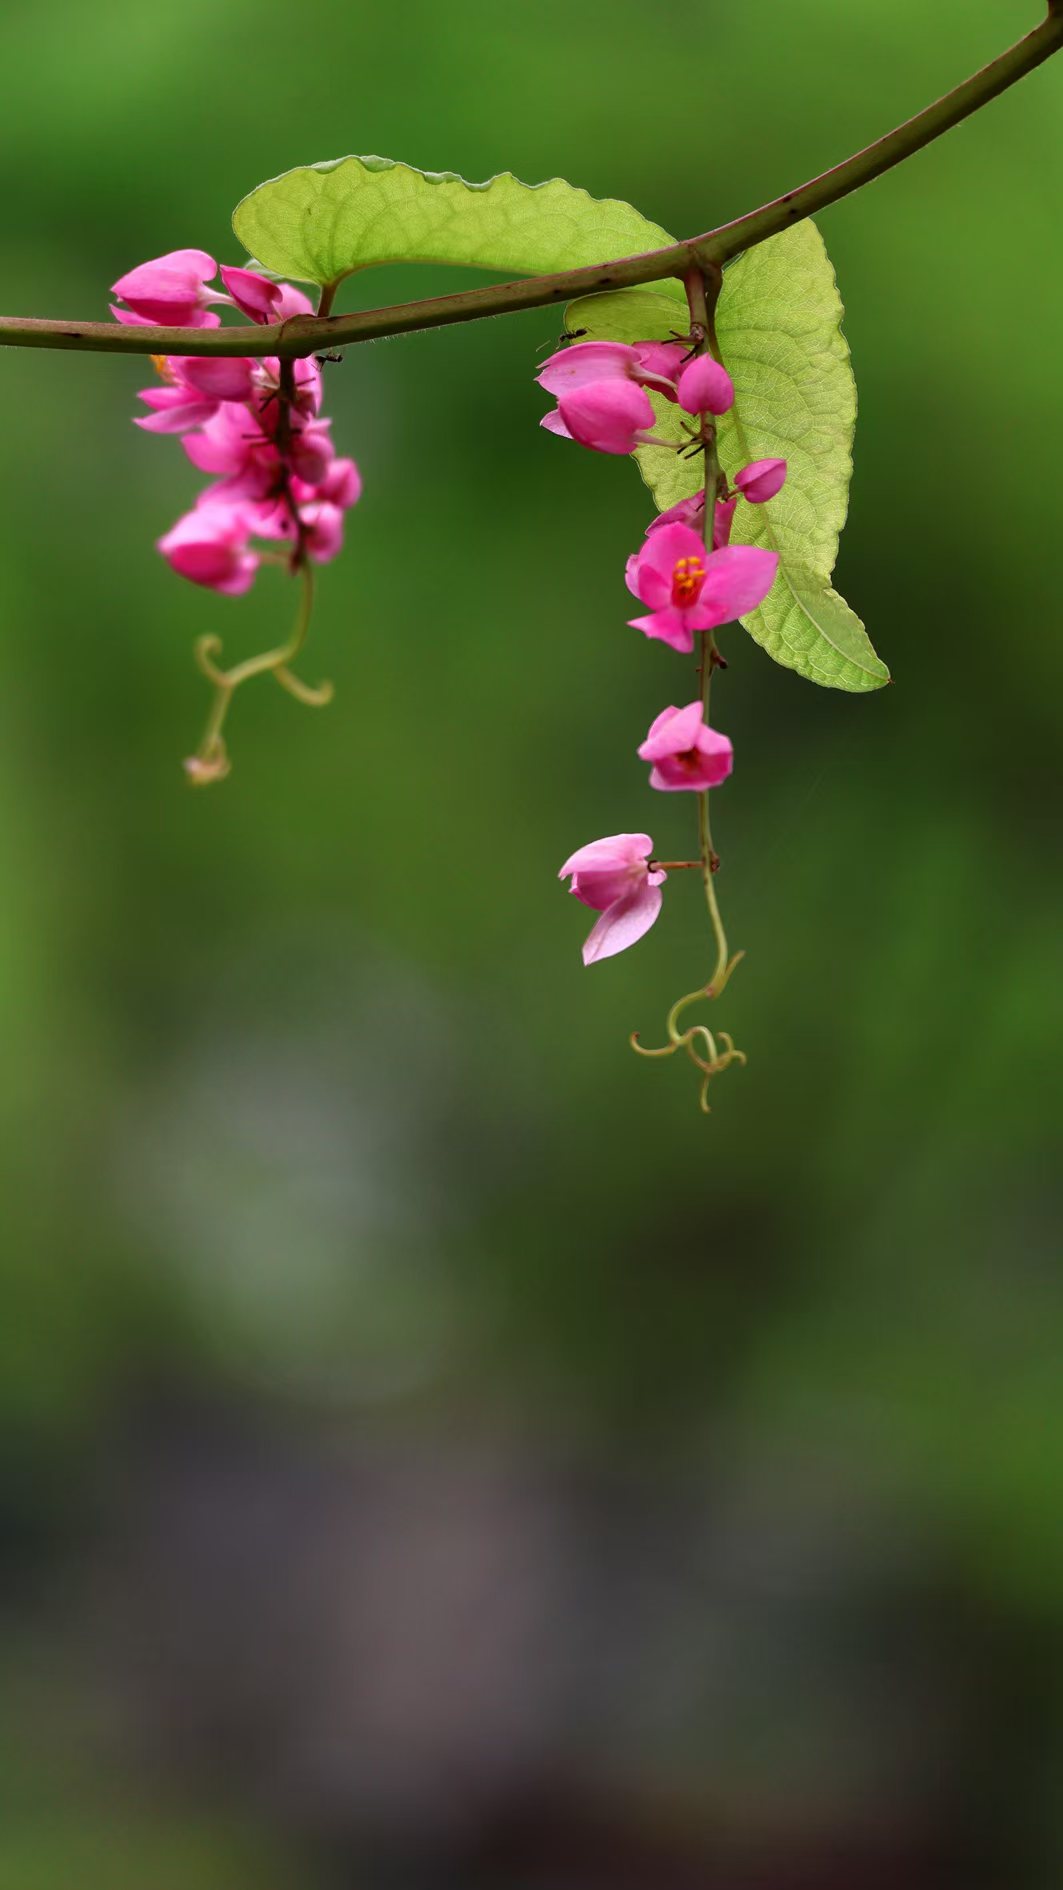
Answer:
(686, 753)
(705, 387)
(209, 546)
(171, 289)
(692, 512)
(614, 877)
(761, 480)
(689, 589)
(649, 363)
(192, 391)
(612, 416)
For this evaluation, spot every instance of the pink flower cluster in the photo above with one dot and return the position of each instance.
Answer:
(603, 390)
(275, 472)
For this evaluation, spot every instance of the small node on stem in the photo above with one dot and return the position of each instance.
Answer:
(208, 766)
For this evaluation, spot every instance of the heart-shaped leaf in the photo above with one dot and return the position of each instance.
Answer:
(324, 221)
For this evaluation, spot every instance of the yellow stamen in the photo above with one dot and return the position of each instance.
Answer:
(687, 579)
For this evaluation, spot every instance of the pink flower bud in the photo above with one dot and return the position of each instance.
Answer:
(648, 363)
(613, 877)
(686, 753)
(171, 289)
(322, 530)
(611, 416)
(342, 484)
(254, 295)
(705, 387)
(209, 546)
(692, 512)
(761, 480)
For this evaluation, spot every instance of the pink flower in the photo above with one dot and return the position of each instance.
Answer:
(254, 295)
(705, 387)
(649, 363)
(342, 484)
(692, 512)
(307, 378)
(688, 589)
(614, 877)
(173, 409)
(761, 480)
(192, 391)
(171, 289)
(612, 416)
(292, 302)
(322, 526)
(686, 753)
(310, 451)
(209, 546)
(226, 378)
(233, 445)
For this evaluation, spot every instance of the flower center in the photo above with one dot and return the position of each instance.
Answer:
(687, 580)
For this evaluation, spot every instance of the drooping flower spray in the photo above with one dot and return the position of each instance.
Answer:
(255, 425)
(692, 581)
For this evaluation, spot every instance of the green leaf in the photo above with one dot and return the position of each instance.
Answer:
(324, 221)
(779, 328)
(805, 625)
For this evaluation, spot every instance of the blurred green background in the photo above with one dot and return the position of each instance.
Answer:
(430, 1452)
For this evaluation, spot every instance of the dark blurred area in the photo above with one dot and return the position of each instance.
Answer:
(431, 1454)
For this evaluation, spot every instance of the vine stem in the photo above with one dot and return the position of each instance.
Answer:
(304, 334)
(703, 289)
(211, 761)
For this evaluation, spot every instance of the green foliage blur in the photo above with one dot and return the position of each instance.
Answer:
(307, 1101)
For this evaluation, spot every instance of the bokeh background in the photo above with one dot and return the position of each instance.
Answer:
(431, 1454)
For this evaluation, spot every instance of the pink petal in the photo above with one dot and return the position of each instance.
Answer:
(311, 451)
(716, 753)
(624, 923)
(221, 379)
(737, 579)
(342, 484)
(721, 524)
(554, 424)
(177, 275)
(659, 363)
(586, 361)
(665, 547)
(255, 296)
(669, 626)
(674, 731)
(686, 512)
(292, 302)
(761, 480)
(705, 387)
(175, 409)
(615, 851)
(323, 525)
